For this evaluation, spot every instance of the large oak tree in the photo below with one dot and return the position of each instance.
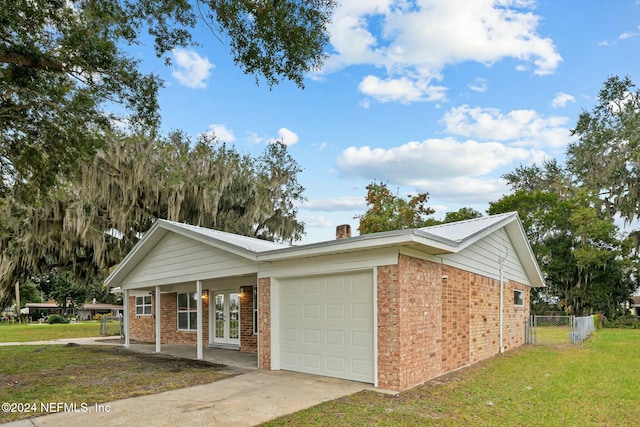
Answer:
(62, 60)
(91, 220)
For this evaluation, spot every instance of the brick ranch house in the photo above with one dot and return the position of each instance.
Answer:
(393, 309)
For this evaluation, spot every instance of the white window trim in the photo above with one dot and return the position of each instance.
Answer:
(189, 310)
(255, 310)
(521, 292)
(143, 305)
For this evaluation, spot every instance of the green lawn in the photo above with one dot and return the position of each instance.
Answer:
(90, 374)
(36, 332)
(595, 384)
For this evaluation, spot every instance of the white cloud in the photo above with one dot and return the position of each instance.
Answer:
(344, 203)
(254, 138)
(525, 128)
(316, 221)
(562, 99)
(221, 132)
(429, 159)
(190, 69)
(403, 90)
(478, 85)
(287, 137)
(629, 34)
(414, 41)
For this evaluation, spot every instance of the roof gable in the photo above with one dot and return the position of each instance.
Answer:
(448, 238)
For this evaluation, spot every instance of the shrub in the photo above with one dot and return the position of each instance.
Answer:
(97, 317)
(626, 322)
(56, 318)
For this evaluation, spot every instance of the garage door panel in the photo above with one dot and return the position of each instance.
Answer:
(312, 336)
(335, 311)
(361, 366)
(335, 338)
(333, 320)
(289, 312)
(312, 312)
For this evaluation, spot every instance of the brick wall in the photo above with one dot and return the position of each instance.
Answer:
(409, 322)
(248, 340)
(264, 323)
(455, 318)
(142, 328)
(428, 326)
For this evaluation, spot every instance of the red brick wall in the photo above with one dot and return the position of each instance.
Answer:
(428, 326)
(142, 328)
(248, 340)
(514, 317)
(264, 323)
(455, 318)
(484, 316)
(409, 323)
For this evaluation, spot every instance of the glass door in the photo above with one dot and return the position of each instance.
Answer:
(226, 318)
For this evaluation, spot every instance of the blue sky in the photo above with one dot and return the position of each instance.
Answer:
(437, 96)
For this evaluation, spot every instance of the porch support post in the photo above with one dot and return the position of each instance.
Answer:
(199, 316)
(127, 342)
(157, 304)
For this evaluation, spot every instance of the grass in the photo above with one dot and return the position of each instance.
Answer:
(91, 374)
(593, 384)
(551, 335)
(36, 332)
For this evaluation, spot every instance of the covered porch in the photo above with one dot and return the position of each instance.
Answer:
(236, 361)
(197, 317)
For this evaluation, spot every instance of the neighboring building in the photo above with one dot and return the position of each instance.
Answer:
(39, 310)
(85, 311)
(634, 305)
(393, 309)
(89, 310)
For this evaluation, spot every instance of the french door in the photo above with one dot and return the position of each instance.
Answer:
(226, 318)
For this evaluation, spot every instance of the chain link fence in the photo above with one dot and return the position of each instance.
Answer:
(555, 330)
(111, 326)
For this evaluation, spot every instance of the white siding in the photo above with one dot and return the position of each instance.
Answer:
(179, 259)
(483, 257)
(334, 263)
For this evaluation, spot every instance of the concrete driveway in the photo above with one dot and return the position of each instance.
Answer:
(244, 400)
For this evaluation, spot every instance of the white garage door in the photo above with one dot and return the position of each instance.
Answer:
(326, 325)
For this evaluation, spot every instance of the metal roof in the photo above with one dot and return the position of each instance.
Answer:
(444, 238)
(462, 230)
(247, 243)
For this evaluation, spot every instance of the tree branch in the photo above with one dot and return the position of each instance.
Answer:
(31, 61)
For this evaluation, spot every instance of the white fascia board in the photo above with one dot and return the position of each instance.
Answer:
(528, 258)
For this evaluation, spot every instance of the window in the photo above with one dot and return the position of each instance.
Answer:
(255, 309)
(518, 297)
(187, 312)
(143, 305)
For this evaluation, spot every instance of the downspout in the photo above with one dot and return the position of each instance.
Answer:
(501, 307)
(501, 321)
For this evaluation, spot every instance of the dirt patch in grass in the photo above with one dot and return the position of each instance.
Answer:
(91, 374)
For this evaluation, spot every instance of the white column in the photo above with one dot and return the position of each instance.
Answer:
(157, 304)
(199, 316)
(125, 301)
